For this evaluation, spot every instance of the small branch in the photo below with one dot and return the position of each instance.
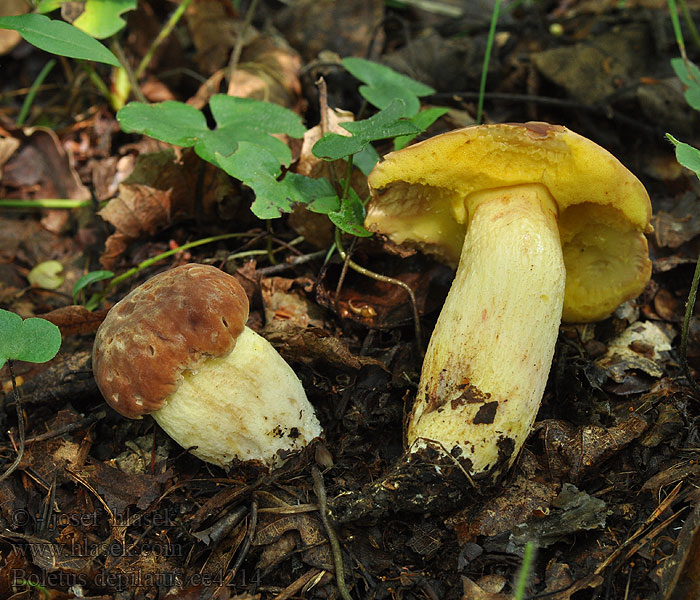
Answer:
(240, 41)
(384, 278)
(20, 425)
(689, 306)
(320, 491)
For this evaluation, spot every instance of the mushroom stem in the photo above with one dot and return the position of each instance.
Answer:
(488, 360)
(263, 412)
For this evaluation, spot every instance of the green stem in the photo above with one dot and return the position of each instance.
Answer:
(524, 574)
(678, 32)
(98, 83)
(44, 203)
(133, 81)
(33, 90)
(689, 22)
(151, 261)
(689, 306)
(487, 59)
(164, 33)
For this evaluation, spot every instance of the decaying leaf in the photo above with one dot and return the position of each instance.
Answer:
(313, 544)
(572, 511)
(313, 346)
(159, 192)
(573, 451)
(643, 346)
(286, 300)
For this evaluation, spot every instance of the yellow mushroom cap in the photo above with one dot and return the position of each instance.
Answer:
(420, 197)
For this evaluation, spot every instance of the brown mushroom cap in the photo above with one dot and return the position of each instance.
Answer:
(420, 197)
(170, 323)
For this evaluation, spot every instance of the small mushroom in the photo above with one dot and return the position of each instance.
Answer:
(177, 347)
(541, 224)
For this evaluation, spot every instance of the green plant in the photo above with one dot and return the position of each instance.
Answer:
(689, 157)
(32, 340)
(242, 143)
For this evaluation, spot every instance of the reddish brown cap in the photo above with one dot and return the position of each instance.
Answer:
(170, 323)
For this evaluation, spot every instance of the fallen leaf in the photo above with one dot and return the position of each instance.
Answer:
(75, 319)
(574, 451)
(159, 192)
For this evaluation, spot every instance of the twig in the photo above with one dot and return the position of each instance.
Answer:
(240, 40)
(245, 547)
(89, 420)
(20, 425)
(689, 306)
(385, 279)
(320, 491)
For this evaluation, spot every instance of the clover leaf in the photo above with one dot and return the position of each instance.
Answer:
(32, 340)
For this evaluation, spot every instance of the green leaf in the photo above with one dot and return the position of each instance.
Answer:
(89, 279)
(47, 275)
(387, 123)
(173, 122)
(237, 119)
(102, 18)
(422, 121)
(686, 155)
(58, 37)
(366, 158)
(689, 74)
(259, 169)
(33, 340)
(384, 85)
(46, 6)
(351, 216)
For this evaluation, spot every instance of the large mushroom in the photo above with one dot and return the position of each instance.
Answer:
(541, 223)
(177, 347)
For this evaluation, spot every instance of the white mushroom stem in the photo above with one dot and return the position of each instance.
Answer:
(489, 357)
(248, 405)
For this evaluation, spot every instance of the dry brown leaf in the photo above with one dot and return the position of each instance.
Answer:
(8, 145)
(272, 530)
(474, 591)
(41, 168)
(8, 37)
(573, 451)
(313, 346)
(159, 192)
(213, 28)
(269, 71)
(285, 300)
(75, 320)
(347, 28)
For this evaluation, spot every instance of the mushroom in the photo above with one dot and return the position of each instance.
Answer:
(177, 347)
(541, 224)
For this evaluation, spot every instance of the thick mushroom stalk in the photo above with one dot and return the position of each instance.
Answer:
(263, 413)
(488, 360)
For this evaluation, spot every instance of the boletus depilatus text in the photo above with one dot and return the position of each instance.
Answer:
(541, 224)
